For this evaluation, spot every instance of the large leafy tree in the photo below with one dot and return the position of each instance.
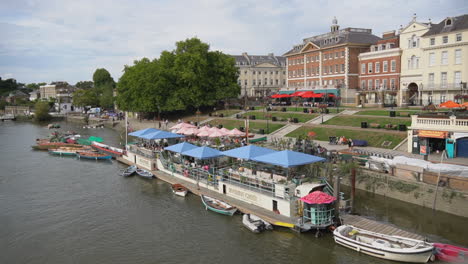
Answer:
(84, 84)
(41, 111)
(103, 88)
(85, 98)
(188, 77)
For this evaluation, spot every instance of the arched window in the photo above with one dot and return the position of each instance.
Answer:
(448, 22)
(414, 41)
(413, 63)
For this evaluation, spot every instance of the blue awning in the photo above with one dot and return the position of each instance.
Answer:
(287, 158)
(248, 152)
(181, 147)
(203, 153)
(161, 135)
(142, 132)
(286, 92)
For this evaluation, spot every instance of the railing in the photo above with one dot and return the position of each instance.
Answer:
(442, 86)
(320, 216)
(442, 122)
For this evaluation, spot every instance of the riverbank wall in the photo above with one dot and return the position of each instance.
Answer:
(423, 194)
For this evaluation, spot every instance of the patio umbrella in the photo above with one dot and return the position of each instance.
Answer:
(181, 147)
(141, 132)
(465, 104)
(190, 131)
(225, 131)
(318, 197)
(216, 134)
(204, 133)
(300, 93)
(213, 129)
(181, 130)
(449, 104)
(288, 158)
(203, 153)
(248, 152)
(312, 95)
(161, 135)
(204, 128)
(182, 125)
(236, 133)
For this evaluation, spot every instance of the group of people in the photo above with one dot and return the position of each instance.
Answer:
(343, 141)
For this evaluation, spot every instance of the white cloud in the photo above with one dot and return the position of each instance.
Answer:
(55, 39)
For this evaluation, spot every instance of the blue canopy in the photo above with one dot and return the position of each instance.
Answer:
(287, 158)
(161, 135)
(248, 152)
(142, 132)
(181, 147)
(203, 153)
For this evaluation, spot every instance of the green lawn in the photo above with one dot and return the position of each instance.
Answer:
(387, 112)
(374, 139)
(230, 124)
(225, 112)
(355, 121)
(281, 116)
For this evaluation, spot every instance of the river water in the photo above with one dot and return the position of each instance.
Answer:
(64, 210)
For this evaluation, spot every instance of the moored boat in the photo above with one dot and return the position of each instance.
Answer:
(383, 246)
(179, 189)
(144, 173)
(53, 145)
(450, 253)
(114, 152)
(65, 151)
(255, 223)
(218, 206)
(129, 171)
(92, 155)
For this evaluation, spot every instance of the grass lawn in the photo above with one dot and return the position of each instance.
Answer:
(226, 112)
(387, 112)
(281, 115)
(230, 124)
(374, 139)
(355, 121)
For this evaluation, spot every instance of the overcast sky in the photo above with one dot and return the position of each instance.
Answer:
(67, 40)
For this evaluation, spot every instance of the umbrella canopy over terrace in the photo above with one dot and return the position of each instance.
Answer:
(248, 152)
(204, 128)
(318, 197)
(216, 133)
(181, 147)
(280, 96)
(139, 133)
(203, 153)
(288, 158)
(161, 135)
(181, 125)
(449, 104)
(236, 133)
(312, 95)
(204, 133)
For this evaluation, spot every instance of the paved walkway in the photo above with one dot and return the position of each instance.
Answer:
(320, 119)
(349, 112)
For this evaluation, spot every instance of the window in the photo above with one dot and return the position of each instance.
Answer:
(445, 39)
(457, 79)
(432, 41)
(342, 68)
(377, 84)
(337, 54)
(253, 72)
(337, 68)
(325, 56)
(276, 72)
(369, 84)
(444, 58)
(413, 62)
(342, 54)
(392, 84)
(308, 59)
(458, 37)
(393, 66)
(260, 82)
(369, 67)
(363, 84)
(271, 81)
(253, 82)
(431, 59)
(385, 66)
(377, 67)
(414, 42)
(385, 83)
(431, 80)
(363, 68)
(442, 98)
(443, 80)
(277, 82)
(458, 56)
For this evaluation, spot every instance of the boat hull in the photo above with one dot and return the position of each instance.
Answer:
(63, 153)
(416, 256)
(229, 212)
(107, 150)
(179, 190)
(144, 173)
(92, 157)
(450, 253)
(129, 171)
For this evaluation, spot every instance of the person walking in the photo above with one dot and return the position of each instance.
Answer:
(350, 144)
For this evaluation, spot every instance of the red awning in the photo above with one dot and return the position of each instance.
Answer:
(318, 197)
(313, 95)
(300, 93)
(450, 104)
(280, 96)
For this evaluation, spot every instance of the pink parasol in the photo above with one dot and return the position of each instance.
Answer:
(216, 134)
(204, 133)
(225, 131)
(190, 131)
(236, 133)
(182, 125)
(318, 197)
(181, 130)
(204, 128)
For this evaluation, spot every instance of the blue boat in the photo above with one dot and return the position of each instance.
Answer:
(93, 155)
(218, 206)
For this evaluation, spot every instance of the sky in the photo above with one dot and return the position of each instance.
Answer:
(67, 40)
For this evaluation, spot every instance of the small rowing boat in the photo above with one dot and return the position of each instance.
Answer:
(218, 206)
(129, 171)
(45, 145)
(65, 151)
(144, 173)
(179, 189)
(93, 155)
(383, 246)
(255, 223)
(103, 148)
(450, 253)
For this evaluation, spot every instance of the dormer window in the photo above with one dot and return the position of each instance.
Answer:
(448, 22)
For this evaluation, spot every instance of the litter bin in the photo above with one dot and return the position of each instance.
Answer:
(261, 131)
(283, 109)
(252, 117)
(252, 108)
(295, 120)
(392, 113)
(402, 127)
(363, 124)
(238, 116)
(221, 115)
(273, 118)
(241, 129)
(220, 126)
(327, 111)
(305, 110)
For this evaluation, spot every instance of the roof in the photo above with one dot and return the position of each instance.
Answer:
(203, 153)
(458, 23)
(248, 152)
(181, 147)
(142, 132)
(246, 59)
(318, 197)
(288, 158)
(344, 36)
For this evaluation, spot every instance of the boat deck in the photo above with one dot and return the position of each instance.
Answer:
(269, 216)
(374, 226)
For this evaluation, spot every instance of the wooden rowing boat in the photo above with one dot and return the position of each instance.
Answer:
(92, 155)
(179, 189)
(218, 206)
(103, 148)
(144, 173)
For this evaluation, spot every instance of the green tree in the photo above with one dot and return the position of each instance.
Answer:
(101, 77)
(41, 111)
(85, 98)
(32, 86)
(84, 85)
(104, 88)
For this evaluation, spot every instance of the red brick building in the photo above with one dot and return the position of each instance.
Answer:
(328, 63)
(379, 73)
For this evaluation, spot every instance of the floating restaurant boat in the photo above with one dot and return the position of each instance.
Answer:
(93, 155)
(114, 152)
(450, 253)
(129, 171)
(218, 206)
(383, 246)
(179, 189)
(255, 223)
(144, 173)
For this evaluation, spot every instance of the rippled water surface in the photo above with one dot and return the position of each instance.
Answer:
(63, 210)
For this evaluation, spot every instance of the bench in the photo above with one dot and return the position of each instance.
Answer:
(374, 125)
(405, 114)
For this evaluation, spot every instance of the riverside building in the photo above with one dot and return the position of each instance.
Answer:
(328, 63)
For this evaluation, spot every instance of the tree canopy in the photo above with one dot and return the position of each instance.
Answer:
(84, 84)
(41, 111)
(99, 92)
(190, 76)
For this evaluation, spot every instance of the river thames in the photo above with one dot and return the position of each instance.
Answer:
(64, 210)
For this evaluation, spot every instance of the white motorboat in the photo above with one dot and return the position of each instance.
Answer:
(144, 173)
(255, 223)
(383, 246)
